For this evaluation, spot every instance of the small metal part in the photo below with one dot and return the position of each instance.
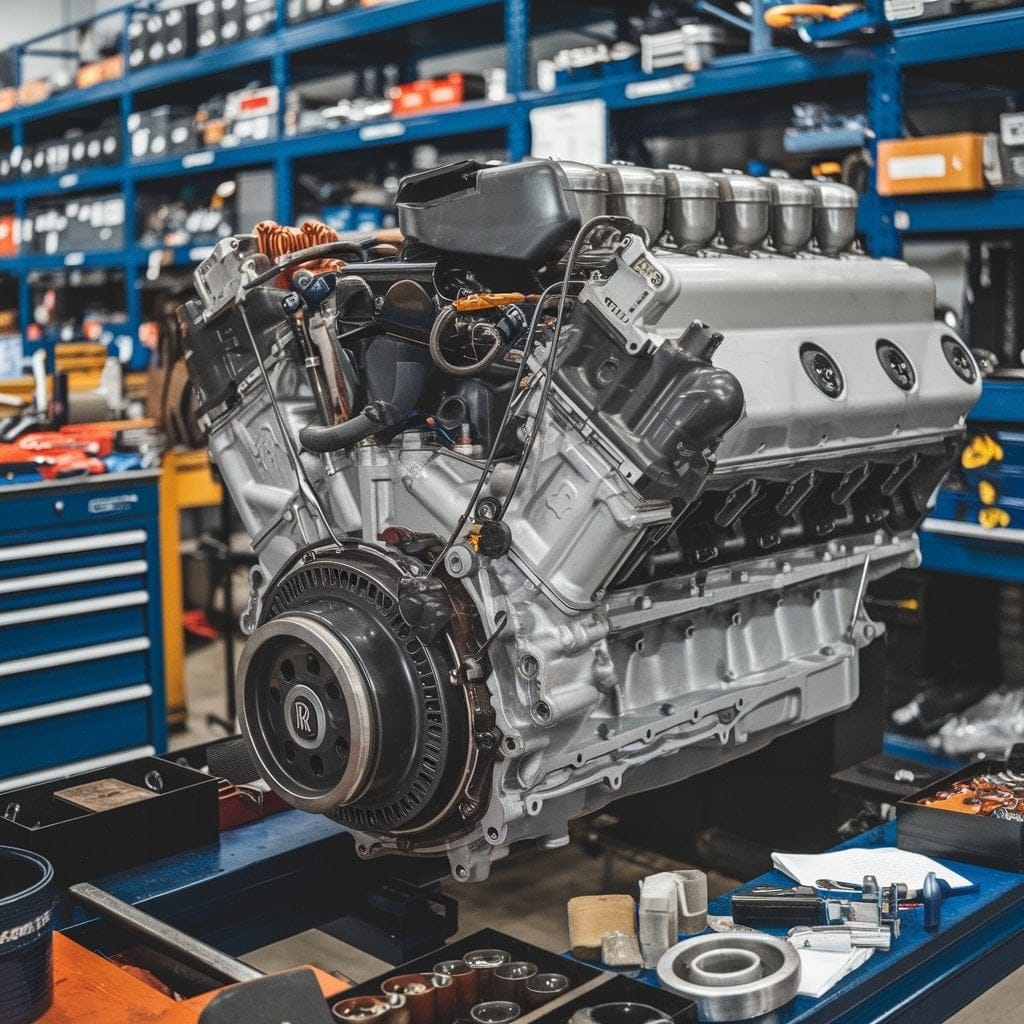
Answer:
(732, 976)
(445, 998)
(841, 938)
(484, 962)
(495, 1012)
(419, 993)
(509, 981)
(12, 810)
(618, 1013)
(460, 560)
(464, 978)
(154, 781)
(543, 988)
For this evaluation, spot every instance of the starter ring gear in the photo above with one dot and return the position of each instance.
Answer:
(347, 712)
(732, 975)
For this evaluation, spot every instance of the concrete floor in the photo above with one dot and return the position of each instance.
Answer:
(525, 895)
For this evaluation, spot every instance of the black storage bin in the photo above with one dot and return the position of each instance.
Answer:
(83, 844)
(952, 835)
(614, 988)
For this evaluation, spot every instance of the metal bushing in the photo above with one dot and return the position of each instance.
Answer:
(732, 975)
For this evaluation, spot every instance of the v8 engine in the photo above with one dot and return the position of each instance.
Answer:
(574, 494)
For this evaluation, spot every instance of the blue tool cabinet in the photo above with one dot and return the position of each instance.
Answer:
(81, 652)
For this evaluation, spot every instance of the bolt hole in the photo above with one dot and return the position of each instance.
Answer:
(333, 690)
(289, 751)
(648, 735)
(341, 747)
(316, 762)
(667, 709)
(288, 670)
(529, 666)
(510, 744)
(492, 834)
(578, 759)
(737, 619)
(312, 664)
(362, 851)
(603, 731)
(541, 711)
(461, 873)
(816, 595)
(639, 646)
(696, 714)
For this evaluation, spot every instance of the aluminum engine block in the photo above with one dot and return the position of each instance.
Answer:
(575, 496)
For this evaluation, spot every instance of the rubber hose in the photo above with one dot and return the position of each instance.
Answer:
(316, 437)
(26, 935)
(444, 318)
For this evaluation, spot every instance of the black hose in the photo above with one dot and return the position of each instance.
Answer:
(315, 437)
(26, 935)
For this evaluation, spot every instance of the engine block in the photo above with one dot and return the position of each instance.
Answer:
(574, 495)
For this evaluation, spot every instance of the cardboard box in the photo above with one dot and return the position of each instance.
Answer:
(33, 92)
(933, 163)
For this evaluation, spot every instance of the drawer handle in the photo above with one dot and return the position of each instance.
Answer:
(89, 574)
(70, 545)
(952, 529)
(68, 707)
(58, 658)
(65, 609)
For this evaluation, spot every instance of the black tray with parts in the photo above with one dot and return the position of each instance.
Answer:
(112, 818)
(588, 986)
(953, 835)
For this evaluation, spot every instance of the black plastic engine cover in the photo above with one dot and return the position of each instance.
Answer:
(516, 212)
(665, 412)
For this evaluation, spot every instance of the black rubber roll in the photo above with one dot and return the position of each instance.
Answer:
(26, 935)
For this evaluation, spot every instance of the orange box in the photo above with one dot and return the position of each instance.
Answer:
(8, 235)
(100, 71)
(33, 92)
(933, 163)
(8, 98)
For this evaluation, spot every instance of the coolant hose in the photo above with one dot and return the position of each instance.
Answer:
(396, 372)
(26, 935)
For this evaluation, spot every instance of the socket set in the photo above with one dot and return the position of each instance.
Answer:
(307, 10)
(79, 223)
(99, 148)
(222, 22)
(492, 978)
(161, 132)
(161, 36)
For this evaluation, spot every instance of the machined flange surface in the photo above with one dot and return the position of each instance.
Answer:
(732, 975)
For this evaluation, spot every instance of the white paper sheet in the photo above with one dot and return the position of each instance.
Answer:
(886, 863)
(820, 969)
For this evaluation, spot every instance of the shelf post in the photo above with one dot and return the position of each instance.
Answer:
(885, 118)
(517, 75)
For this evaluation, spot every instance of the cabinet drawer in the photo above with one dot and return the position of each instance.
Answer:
(90, 504)
(28, 746)
(49, 628)
(73, 672)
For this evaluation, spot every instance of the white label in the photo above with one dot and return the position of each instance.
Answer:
(571, 131)
(113, 503)
(658, 86)
(388, 130)
(67, 181)
(928, 165)
(901, 220)
(198, 160)
(1011, 129)
(74, 259)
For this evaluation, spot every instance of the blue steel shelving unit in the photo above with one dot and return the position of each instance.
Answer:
(875, 64)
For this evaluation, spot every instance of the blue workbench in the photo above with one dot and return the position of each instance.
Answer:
(293, 871)
(926, 976)
(270, 880)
